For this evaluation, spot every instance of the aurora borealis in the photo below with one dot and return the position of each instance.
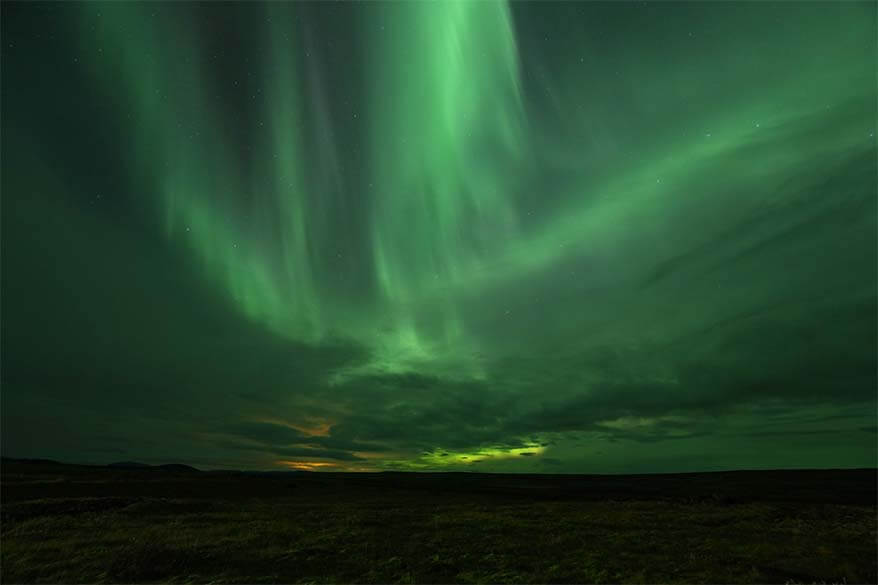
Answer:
(545, 237)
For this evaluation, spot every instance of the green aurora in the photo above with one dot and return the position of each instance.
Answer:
(537, 237)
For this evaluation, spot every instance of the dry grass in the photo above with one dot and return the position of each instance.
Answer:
(398, 540)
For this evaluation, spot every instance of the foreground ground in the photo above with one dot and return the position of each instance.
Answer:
(74, 524)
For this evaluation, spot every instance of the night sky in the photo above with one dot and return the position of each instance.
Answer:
(537, 237)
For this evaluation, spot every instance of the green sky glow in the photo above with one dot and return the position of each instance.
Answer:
(502, 237)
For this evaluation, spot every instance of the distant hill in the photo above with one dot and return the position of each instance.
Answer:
(30, 461)
(177, 467)
(133, 465)
(128, 465)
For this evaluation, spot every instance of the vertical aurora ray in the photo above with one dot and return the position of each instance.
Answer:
(447, 123)
(244, 212)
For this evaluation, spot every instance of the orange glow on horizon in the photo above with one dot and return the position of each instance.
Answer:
(307, 465)
(328, 466)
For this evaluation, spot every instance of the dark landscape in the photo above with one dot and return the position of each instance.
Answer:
(87, 524)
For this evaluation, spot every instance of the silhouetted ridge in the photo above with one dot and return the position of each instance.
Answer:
(176, 467)
(128, 465)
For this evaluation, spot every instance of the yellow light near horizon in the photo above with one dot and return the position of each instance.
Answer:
(307, 465)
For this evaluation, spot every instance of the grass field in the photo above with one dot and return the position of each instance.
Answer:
(76, 524)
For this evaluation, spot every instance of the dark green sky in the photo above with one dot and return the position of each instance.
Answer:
(572, 237)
